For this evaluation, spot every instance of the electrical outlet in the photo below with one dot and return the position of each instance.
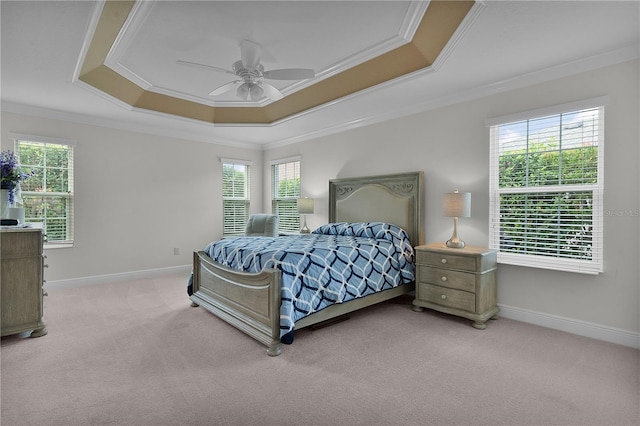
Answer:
(176, 251)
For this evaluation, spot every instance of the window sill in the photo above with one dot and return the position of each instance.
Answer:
(48, 246)
(555, 264)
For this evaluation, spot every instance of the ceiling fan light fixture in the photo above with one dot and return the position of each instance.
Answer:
(256, 92)
(243, 91)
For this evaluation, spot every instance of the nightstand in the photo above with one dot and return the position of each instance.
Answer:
(457, 281)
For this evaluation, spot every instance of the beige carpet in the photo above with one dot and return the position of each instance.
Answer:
(135, 353)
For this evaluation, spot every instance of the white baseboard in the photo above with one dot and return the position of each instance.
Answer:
(110, 278)
(581, 328)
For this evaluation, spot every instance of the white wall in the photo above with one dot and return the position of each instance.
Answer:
(137, 197)
(451, 146)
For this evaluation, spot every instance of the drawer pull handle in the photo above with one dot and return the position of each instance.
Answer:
(444, 261)
(443, 297)
(444, 278)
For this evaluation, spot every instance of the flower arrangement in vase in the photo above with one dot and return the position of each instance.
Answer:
(11, 174)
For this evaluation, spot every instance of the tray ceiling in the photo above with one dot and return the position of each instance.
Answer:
(133, 50)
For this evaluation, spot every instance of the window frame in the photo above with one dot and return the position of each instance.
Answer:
(596, 190)
(240, 223)
(69, 196)
(280, 205)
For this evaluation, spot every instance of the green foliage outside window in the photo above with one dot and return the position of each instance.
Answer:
(47, 195)
(286, 206)
(235, 197)
(50, 164)
(285, 194)
(234, 178)
(289, 188)
(545, 164)
(557, 223)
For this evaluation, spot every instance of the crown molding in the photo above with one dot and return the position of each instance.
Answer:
(624, 54)
(70, 117)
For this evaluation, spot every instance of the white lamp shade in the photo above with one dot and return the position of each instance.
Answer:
(305, 205)
(457, 204)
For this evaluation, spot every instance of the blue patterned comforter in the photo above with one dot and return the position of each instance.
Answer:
(335, 263)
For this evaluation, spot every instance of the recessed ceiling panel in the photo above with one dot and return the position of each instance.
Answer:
(293, 34)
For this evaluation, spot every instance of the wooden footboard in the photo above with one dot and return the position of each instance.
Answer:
(251, 301)
(248, 301)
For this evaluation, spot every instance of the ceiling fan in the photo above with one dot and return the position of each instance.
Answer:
(252, 74)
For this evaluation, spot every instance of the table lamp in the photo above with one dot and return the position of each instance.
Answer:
(456, 204)
(305, 207)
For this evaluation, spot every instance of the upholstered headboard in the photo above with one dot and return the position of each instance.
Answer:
(396, 199)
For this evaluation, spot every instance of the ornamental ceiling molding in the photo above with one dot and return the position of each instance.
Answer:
(439, 23)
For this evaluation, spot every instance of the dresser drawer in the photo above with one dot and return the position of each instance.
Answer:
(20, 243)
(448, 278)
(465, 263)
(447, 297)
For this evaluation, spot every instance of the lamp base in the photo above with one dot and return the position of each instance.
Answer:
(455, 244)
(454, 241)
(305, 229)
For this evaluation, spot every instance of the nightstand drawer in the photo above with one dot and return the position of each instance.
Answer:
(448, 278)
(465, 263)
(447, 297)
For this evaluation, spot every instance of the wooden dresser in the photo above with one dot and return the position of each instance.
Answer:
(457, 281)
(21, 292)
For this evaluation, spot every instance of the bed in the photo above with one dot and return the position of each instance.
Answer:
(253, 299)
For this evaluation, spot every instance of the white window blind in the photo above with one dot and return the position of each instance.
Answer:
(546, 189)
(236, 180)
(285, 191)
(47, 195)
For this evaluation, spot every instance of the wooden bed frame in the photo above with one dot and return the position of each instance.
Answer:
(251, 301)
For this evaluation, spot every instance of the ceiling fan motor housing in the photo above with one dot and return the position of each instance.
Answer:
(247, 74)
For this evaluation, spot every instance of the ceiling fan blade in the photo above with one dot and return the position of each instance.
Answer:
(289, 74)
(203, 66)
(271, 92)
(224, 88)
(250, 53)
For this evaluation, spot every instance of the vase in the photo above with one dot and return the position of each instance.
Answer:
(5, 206)
(4, 203)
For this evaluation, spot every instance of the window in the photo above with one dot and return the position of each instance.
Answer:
(47, 196)
(285, 191)
(546, 188)
(235, 196)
